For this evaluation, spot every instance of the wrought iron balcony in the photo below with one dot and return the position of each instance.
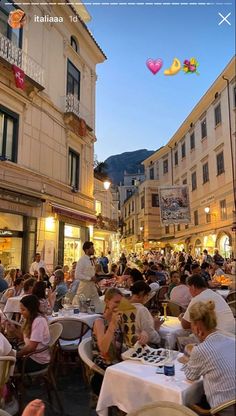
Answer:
(16, 56)
(74, 106)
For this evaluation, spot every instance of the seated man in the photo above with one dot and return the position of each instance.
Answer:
(200, 292)
(180, 294)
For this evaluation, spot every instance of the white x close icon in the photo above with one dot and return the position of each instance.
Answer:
(224, 19)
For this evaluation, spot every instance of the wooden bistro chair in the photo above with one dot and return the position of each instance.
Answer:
(174, 309)
(225, 409)
(88, 366)
(73, 331)
(46, 374)
(162, 409)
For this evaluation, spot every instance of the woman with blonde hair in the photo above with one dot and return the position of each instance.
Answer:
(213, 358)
(107, 336)
(10, 277)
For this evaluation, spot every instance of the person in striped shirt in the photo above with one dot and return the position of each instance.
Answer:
(213, 358)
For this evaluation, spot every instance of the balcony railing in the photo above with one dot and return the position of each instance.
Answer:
(74, 106)
(16, 56)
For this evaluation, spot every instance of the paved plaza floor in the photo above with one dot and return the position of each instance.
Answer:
(75, 395)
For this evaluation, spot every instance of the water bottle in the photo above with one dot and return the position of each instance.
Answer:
(169, 367)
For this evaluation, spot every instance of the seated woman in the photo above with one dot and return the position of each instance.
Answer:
(15, 290)
(213, 358)
(134, 275)
(36, 335)
(44, 277)
(107, 336)
(144, 320)
(45, 305)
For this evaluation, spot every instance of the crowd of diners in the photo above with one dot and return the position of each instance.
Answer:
(191, 284)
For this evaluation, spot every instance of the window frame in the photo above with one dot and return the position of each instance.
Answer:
(183, 150)
(151, 173)
(155, 201)
(204, 129)
(192, 140)
(220, 169)
(67, 81)
(165, 166)
(75, 154)
(217, 122)
(8, 114)
(74, 41)
(194, 182)
(223, 210)
(205, 173)
(176, 158)
(6, 9)
(142, 202)
(196, 217)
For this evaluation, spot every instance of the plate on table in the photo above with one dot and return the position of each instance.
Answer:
(146, 355)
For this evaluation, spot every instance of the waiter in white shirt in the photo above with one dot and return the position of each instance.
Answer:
(35, 266)
(85, 272)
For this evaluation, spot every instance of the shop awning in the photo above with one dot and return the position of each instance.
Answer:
(73, 213)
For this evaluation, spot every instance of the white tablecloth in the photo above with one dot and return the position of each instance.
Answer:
(173, 327)
(129, 385)
(12, 305)
(85, 317)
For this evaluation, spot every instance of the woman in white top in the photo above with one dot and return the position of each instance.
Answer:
(144, 322)
(214, 358)
(36, 335)
(10, 277)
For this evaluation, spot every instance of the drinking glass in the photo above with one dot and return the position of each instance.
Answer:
(164, 304)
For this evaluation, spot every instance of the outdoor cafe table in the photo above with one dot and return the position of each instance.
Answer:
(129, 385)
(173, 327)
(87, 318)
(12, 306)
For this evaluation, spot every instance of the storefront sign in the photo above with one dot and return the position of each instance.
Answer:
(207, 200)
(174, 205)
(5, 233)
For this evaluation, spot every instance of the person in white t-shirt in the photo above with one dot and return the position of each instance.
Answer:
(36, 335)
(200, 293)
(35, 266)
(180, 294)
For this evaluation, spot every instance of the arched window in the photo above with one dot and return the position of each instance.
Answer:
(74, 43)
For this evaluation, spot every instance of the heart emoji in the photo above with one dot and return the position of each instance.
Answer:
(154, 65)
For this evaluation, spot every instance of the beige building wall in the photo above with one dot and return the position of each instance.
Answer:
(105, 233)
(47, 127)
(218, 232)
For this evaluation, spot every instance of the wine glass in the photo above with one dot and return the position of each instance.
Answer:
(164, 304)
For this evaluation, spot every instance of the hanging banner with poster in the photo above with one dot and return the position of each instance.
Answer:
(174, 205)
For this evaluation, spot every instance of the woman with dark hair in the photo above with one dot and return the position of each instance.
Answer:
(134, 276)
(45, 305)
(44, 277)
(35, 334)
(144, 322)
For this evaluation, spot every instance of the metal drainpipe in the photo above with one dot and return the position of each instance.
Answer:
(231, 148)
